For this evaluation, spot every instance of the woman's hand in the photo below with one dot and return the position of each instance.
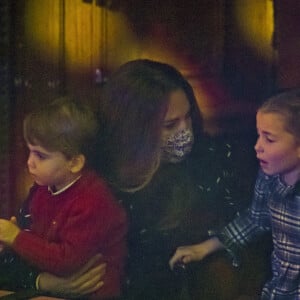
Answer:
(85, 281)
(186, 254)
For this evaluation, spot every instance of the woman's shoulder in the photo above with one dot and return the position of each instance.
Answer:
(225, 151)
(225, 144)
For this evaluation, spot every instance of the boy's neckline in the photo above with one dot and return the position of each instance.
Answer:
(54, 193)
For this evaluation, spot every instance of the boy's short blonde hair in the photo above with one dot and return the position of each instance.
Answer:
(286, 104)
(65, 125)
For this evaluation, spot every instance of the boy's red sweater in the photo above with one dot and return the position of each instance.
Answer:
(69, 228)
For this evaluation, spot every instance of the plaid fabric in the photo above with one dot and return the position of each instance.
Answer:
(276, 208)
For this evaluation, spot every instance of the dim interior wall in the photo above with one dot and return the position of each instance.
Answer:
(287, 43)
(61, 45)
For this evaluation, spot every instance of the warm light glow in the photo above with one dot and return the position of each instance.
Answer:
(42, 27)
(92, 37)
(95, 37)
(255, 19)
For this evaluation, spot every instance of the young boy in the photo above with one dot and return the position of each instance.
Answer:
(276, 203)
(70, 214)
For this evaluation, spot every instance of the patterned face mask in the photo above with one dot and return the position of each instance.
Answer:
(177, 146)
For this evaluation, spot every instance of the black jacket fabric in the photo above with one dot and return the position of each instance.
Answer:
(177, 208)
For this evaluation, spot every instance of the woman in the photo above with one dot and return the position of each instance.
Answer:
(175, 181)
(171, 177)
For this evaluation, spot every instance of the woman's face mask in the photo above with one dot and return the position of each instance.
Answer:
(177, 134)
(177, 146)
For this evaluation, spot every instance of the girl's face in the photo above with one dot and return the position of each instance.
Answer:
(177, 133)
(49, 168)
(277, 149)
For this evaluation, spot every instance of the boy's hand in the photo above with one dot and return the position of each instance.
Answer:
(8, 231)
(13, 219)
(187, 254)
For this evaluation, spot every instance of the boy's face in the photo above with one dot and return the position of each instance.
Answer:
(49, 168)
(277, 149)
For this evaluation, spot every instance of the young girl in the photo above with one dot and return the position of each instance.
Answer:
(276, 204)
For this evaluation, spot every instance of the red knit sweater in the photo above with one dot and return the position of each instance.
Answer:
(69, 228)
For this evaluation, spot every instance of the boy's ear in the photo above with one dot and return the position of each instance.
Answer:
(77, 163)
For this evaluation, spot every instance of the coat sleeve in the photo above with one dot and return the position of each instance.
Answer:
(250, 224)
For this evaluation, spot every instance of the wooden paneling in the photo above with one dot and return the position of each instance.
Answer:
(5, 107)
(287, 43)
(224, 47)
